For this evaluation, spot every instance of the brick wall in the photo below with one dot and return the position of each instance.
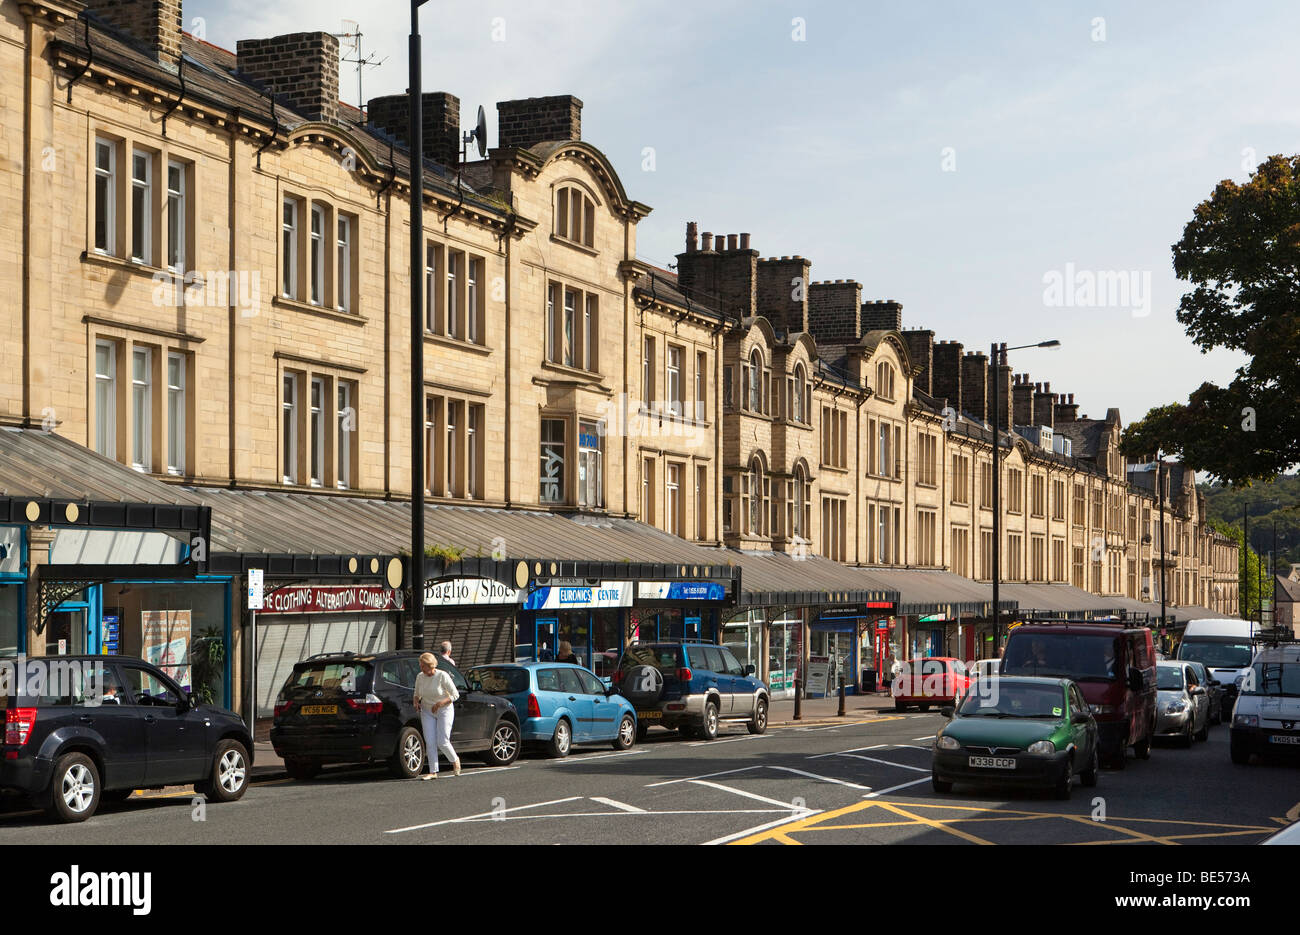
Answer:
(780, 299)
(301, 68)
(1044, 411)
(947, 372)
(1005, 402)
(835, 311)
(155, 24)
(439, 119)
(532, 120)
(1022, 392)
(920, 348)
(974, 384)
(882, 315)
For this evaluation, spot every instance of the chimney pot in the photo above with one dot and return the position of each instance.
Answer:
(744, 241)
(732, 241)
(706, 241)
(692, 236)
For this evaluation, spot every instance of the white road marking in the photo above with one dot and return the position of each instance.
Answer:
(725, 772)
(764, 827)
(838, 782)
(749, 795)
(613, 804)
(452, 821)
(713, 811)
(601, 756)
(904, 785)
(872, 759)
(879, 746)
(701, 743)
(480, 772)
(926, 737)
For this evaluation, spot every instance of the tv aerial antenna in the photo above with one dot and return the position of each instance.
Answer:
(477, 136)
(352, 47)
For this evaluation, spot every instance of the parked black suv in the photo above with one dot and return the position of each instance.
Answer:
(690, 686)
(80, 730)
(348, 708)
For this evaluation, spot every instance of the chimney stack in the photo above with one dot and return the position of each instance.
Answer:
(724, 279)
(948, 373)
(920, 348)
(1067, 410)
(834, 310)
(153, 24)
(1044, 411)
(1023, 400)
(782, 292)
(882, 315)
(975, 384)
(525, 123)
(300, 68)
(439, 114)
(1005, 413)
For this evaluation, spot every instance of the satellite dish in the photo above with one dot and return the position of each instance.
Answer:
(480, 132)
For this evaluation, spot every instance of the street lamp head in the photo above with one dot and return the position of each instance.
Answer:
(1052, 343)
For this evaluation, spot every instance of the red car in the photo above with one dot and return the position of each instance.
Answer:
(934, 680)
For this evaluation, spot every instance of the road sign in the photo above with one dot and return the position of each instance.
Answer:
(254, 589)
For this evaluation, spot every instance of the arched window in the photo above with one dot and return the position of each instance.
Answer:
(575, 216)
(884, 380)
(760, 497)
(800, 509)
(756, 381)
(799, 410)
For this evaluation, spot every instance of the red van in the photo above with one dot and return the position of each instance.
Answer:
(934, 680)
(1114, 664)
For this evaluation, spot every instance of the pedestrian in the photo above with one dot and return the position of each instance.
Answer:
(566, 653)
(435, 696)
(444, 650)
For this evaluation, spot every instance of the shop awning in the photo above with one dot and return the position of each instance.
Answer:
(1064, 600)
(1193, 612)
(777, 579)
(925, 592)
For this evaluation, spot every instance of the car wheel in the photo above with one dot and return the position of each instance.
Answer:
(1142, 749)
(759, 723)
(301, 767)
(1089, 776)
(709, 729)
(1204, 733)
(942, 786)
(1066, 784)
(627, 732)
(407, 760)
(1239, 751)
(74, 788)
(1185, 741)
(229, 777)
(504, 747)
(561, 740)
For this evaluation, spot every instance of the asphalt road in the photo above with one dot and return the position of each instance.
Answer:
(866, 781)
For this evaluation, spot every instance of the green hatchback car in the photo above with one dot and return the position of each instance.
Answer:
(1018, 731)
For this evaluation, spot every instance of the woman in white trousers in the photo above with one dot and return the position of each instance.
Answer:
(435, 697)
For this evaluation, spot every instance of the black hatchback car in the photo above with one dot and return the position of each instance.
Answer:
(81, 730)
(348, 708)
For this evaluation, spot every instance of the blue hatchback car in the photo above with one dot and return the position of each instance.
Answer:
(561, 704)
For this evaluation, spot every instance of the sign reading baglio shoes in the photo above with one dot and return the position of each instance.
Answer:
(577, 596)
(460, 591)
(331, 599)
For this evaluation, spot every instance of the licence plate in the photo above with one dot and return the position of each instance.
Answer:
(1279, 738)
(320, 709)
(993, 762)
(649, 715)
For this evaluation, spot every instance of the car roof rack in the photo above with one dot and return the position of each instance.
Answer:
(344, 653)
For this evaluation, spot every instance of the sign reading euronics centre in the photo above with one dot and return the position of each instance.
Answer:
(681, 591)
(576, 597)
(469, 591)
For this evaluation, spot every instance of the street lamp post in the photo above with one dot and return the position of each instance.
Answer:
(998, 357)
(416, 143)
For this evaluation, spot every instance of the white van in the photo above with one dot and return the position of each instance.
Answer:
(1223, 645)
(1267, 716)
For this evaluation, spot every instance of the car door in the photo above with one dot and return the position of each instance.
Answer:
(1199, 697)
(741, 689)
(1085, 734)
(469, 725)
(174, 738)
(606, 713)
(715, 675)
(579, 701)
(100, 707)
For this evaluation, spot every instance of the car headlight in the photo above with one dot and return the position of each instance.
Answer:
(947, 743)
(1105, 709)
(1176, 707)
(1042, 746)
(1245, 720)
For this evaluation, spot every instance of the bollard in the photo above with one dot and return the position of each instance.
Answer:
(798, 699)
(841, 711)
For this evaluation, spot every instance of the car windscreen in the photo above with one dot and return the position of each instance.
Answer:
(1216, 654)
(344, 676)
(1273, 678)
(1079, 656)
(503, 680)
(666, 657)
(1010, 699)
(1169, 678)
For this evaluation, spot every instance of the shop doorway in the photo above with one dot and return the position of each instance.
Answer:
(66, 632)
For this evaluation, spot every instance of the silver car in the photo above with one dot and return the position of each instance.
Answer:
(1182, 703)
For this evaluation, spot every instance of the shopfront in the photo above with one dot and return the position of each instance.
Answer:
(844, 641)
(589, 615)
(478, 616)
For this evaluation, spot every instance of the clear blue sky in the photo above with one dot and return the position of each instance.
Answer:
(1068, 150)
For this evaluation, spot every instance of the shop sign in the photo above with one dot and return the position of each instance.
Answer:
(681, 591)
(882, 624)
(781, 681)
(256, 597)
(605, 594)
(469, 591)
(819, 673)
(332, 599)
(111, 634)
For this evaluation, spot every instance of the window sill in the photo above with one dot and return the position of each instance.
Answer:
(299, 306)
(144, 269)
(929, 487)
(574, 245)
(431, 337)
(833, 469)
(663, 415)
(795, 424)
(574, 373)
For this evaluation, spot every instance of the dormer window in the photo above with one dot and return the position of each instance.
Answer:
(885, 381)
(575, 216)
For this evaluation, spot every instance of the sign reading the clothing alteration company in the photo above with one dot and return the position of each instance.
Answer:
(332, 599)
(604, 594)
(469, 591)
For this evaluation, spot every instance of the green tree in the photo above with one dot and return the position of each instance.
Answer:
(1249, 578)
(1241, 255)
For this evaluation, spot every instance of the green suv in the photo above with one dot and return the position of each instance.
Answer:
(1018, 731)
